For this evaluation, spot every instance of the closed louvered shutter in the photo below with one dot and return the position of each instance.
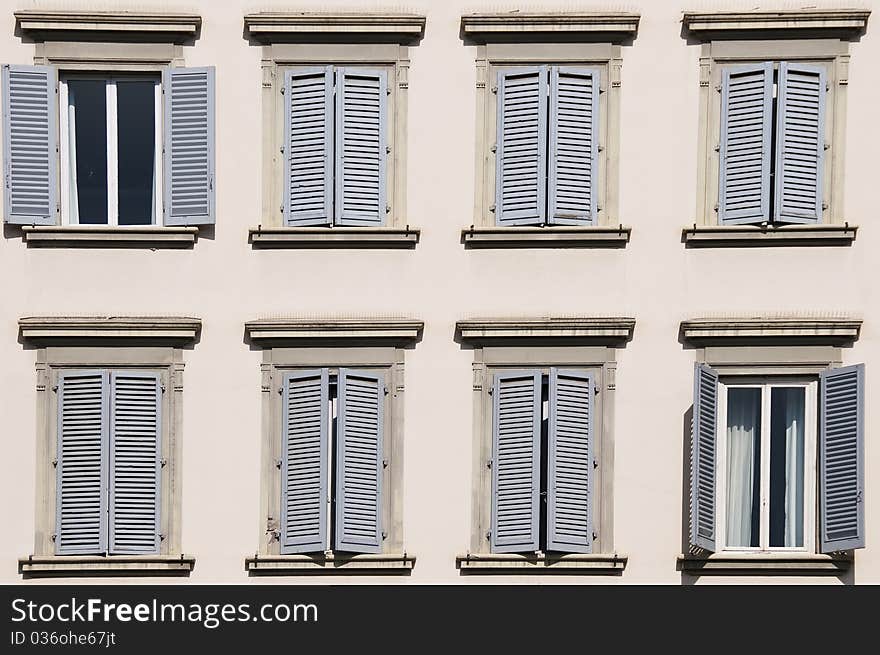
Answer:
(359, 461)
(842, 453)
(746, 126)
(574, 145)
(304, 445)
(516, 461)
(800, 143)
(361, 99)
(521, 148)
(703, 426)
(135, 462)
(189, 145)
(30, 144)
(308, 146)
(570, 462)
(81, 503)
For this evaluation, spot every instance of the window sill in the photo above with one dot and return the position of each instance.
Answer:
(546, 237)
(49, 566)
(376, 564)
(333, 237)
(109, 237)
(764, 563)
(598, 564)
(708, 236)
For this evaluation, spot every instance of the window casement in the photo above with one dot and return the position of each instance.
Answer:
(777, 464)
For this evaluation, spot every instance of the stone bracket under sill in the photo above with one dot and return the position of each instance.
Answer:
(764, 564)
(528, 236)
(109, 236)
(722, 236)
(586, 564)
(333, 237)
(377, 564)
(49, 566)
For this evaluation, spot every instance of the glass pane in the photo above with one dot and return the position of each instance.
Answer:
(787, 466)
(87, 139)
(743, 467)
(136, 123)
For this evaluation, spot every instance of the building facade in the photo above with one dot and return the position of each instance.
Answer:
(449, 293)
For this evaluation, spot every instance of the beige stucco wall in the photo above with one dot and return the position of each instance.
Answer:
(654, 279)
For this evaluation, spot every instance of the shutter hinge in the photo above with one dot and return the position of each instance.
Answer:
(387, 90)
(280, 389)
(163, 462)
(161, 537)
(717, 147)
(595, 536)
(826, 146)
(278, 464)
(492, 209)
(384, 534)
(281, 149)
(387, 150)
(55, 388)
(718, 88)
(494, 147)
(385, 390)
(716, 207)
(824, 205)
(596, 389)
(495, 88)
(55, 462)
(281, 209)
(54, 537)
(387, 211)
(384, 463)
(162, 386)
(488, 535)
(281, 89)
(488, 463)
(595, 464)
(600, 148)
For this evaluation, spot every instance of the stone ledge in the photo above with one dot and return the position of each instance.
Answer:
(754, 235)
(396, 329)
(333, 237)
(739, 329)
(104, 236)
(379, 564)
(841, 20)
(179, 328)
(616, 26)
(275, 26)
(165, 27)
(547, 237)
(111, 565)
(603, 329)
(598, 564)
(764, 563)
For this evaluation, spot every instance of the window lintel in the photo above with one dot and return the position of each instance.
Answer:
(44, 25)
(838, 21)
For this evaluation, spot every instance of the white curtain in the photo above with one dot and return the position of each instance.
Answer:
(71, 149)
(794, 467)
(743, 442)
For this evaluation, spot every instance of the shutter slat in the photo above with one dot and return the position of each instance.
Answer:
(841, 452)
(570, 462)
(703, 428)
(189, 145)
(745, 157)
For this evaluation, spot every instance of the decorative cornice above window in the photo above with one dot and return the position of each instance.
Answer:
(825, 20)
(827, 330)
(54, 25)
(176, 328)
(280, 329)
(270, 27)
(502, 26)
(610, 330)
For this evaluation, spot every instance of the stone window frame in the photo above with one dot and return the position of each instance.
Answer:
(521, 344)
(142, 343)
(808, 36)
(573, 39)
(357, 40)
(300, 344)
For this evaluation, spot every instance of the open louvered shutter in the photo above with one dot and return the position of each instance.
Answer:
(800, 143)
(30, 144)
(842, 455)
(703, 429)
(304, 445)
(135, 462)
(521, 147)
(308, 146)
(516, 460)
(570, 462)
(745, 156)
(189, 145)
(361, 107)
(81, 503)
(359, 461)
(574, 145)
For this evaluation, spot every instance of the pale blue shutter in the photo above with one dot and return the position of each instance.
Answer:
(842, 458)
(304, 445)
(574, 145)
(570, 462)
(135, 462)
(800, 143)
(189, 145)
(81, 494)
(308, 146)
(703, 428)
(521, 147)
(359, 461)
(745, 156)
(30, 144)
(361, 107)
(516, 461)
